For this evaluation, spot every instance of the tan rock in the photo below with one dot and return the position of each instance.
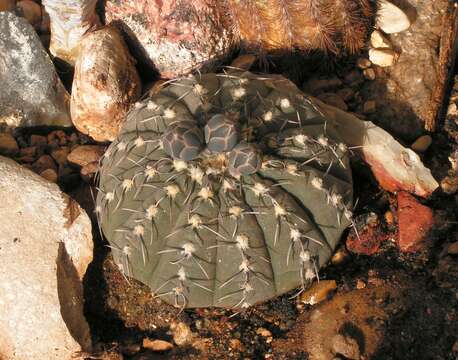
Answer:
(318, 292)
(452, 249)
(363, 63)
(60, 155)
(88, 171)
(50, 175)
(422, 143)
(369, 74)
(8, 144)
(83, 155)
(391, 19)
(383, 57)
(105, 85)
(46, 246)
(379, 41)
(182, 334)
(157, 345)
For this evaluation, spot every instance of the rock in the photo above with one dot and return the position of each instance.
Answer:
(452, 249)
(369, 236)
(182, 334)
(391, 19)
(60, 155)
(339, 257)
(369, 107)
(83, 155)
(46, 247)
(379, 41)
(422, 143)
(244, 62)
(157, 345)
(88, 171)
(7, 5)
(363, 63)
(369, 74)
(31, 11)
(32, 93)
(8, 144)
(50, 175)
(105, 85)
(354, 78)
(43, 163)
(346, 346)
(415, 223)
(38, 140)
(70, 21)
(382, 57)
(174, 38)
(333, 100)
(263, 332)
(57, 137)
(319, 292)
(350, 315)
(315, 86)
(30, 151)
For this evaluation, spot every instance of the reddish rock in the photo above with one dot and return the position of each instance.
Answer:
(415, 223)
(369, 238)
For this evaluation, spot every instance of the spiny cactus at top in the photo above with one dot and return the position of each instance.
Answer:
(225, 190)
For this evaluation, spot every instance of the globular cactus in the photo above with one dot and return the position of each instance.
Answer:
(235, 225)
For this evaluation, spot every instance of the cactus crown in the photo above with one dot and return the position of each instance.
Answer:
(225, 190)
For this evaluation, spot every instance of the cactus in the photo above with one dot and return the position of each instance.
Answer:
(225, 190)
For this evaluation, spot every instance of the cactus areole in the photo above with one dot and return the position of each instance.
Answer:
(225, 190)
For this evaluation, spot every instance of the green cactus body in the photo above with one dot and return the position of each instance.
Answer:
(218, 232)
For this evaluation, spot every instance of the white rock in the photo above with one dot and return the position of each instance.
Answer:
(379, 41)
(45, 246)
(382, 57)
(391, 19)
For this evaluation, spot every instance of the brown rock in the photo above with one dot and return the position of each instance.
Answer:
(8, 144)
(105, 85)
(31, 11)
(369, 107)
(319, 292)
(415, 224)
(422, 143)
(346, 93)
(354, 78)
(43, 163)
(60, 155)
(88, 171)
(29, 151)
(57, 137)
(157, 345)
(83, 155)
(452, 249)
(339, 257)
(50, 175)
(369, 74)
(38, 140)
(363, 63)
(7, 5)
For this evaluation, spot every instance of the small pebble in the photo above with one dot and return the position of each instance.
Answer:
(85, 154)
(391, 19)
(369, 107)
(382, 57)
(60, 155)
(333, 100)
(157, 345)
(422, 143)
(389, 218)
(8, 144)
(50, 175)
(43, 163)
(360, 284)
(369, 74)
(379, 41)
(340, 256)
(38, 140)
(263, 332)
(88, 171)
(449, 185)
(28, 151)
(182, 334)
(453, 248)
(363, 63)
(318, 292)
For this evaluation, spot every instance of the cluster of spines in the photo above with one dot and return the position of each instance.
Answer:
(204, 178)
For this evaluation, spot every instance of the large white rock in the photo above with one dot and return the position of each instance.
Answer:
(45, 248)
(391, 19)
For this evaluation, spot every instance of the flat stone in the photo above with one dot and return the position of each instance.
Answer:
(391, 19)
(415, 224)
(32, 93)
(379, 41)
(382, 57)
(83, 155)
(422, 143)
(46, 247)
(157, 345)
(8, 144)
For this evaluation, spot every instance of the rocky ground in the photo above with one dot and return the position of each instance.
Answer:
(390, 292)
